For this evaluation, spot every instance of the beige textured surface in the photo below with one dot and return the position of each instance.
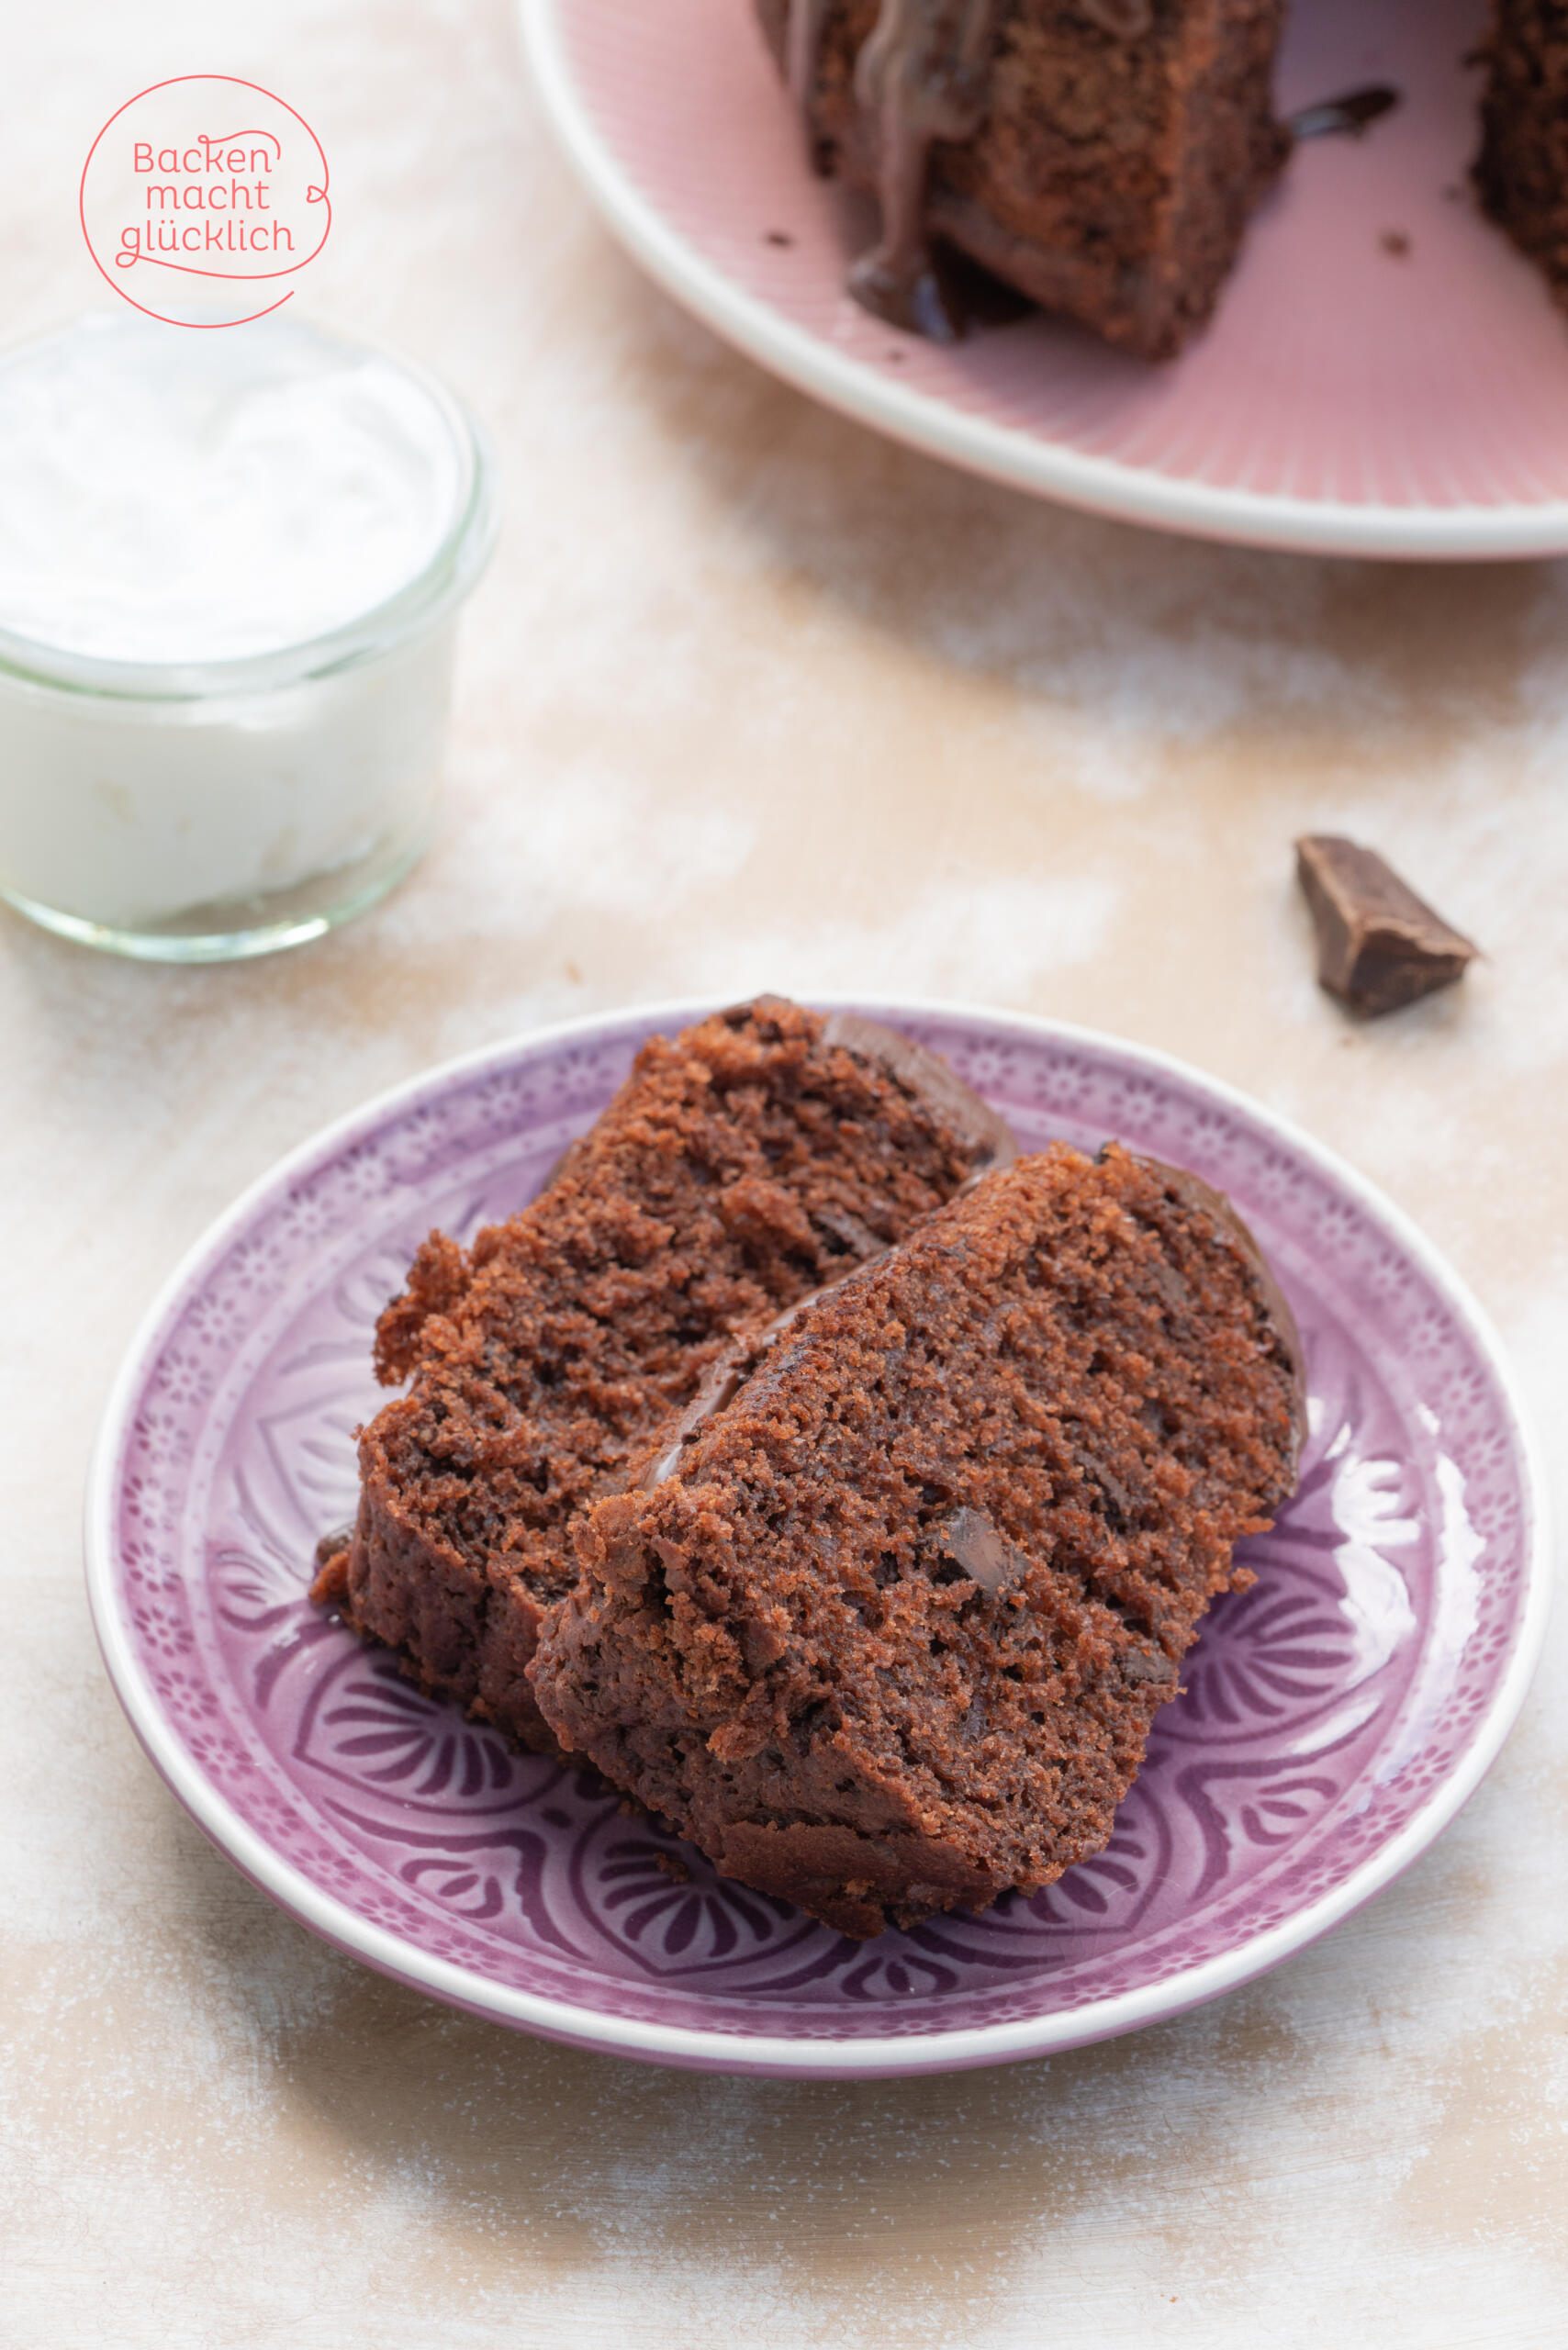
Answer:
(751, 699)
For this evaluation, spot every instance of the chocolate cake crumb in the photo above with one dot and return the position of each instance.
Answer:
(885, 1633)
(762, 1154)
(1379, 945)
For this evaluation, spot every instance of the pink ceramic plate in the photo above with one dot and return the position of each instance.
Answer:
(1387, 376)
(1334, 1718)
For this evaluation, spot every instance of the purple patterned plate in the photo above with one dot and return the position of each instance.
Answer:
(1335, 1717)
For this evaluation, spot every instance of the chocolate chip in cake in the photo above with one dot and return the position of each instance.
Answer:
(981, 1551)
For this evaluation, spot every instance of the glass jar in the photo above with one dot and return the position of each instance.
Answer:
(199, 810)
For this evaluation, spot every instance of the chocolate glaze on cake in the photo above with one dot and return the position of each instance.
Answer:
(753, 1160)
(883, 1625)
(1102, 156)
(922, 76)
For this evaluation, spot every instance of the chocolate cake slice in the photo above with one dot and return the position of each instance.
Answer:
(1522, 171)
(882, 1628)
(761, 1154)
(1100, 156)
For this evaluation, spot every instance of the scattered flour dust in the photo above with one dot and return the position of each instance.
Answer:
(989, 940)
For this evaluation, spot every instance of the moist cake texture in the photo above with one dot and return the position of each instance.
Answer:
(883, 1626)
(747, 1163)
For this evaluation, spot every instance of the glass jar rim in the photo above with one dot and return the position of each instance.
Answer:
(434, 592)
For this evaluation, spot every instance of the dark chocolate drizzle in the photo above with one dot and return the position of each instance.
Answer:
(803, 42)
(1346, 117)
(925, 74)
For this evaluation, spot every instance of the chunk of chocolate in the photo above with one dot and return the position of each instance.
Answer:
(978, 1546)
(1147, 1664)
(1379, 945)
(1346, 117)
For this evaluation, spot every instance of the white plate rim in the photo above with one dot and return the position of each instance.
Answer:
(765, 2054)
(1019, 460)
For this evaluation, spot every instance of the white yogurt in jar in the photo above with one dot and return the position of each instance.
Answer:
(230, 563)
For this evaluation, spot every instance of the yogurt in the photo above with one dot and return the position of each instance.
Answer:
(229, 568)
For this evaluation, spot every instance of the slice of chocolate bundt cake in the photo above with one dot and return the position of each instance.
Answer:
(1100, 156)
(762, 1153)
(1103, 156)
(883, 1626)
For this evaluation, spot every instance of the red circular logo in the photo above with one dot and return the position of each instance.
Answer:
(202, 198)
